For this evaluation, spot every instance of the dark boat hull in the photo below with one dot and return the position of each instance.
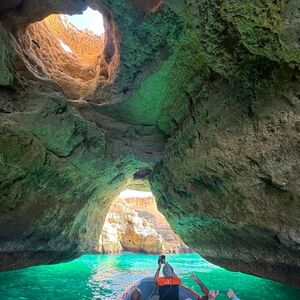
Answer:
(150, 291)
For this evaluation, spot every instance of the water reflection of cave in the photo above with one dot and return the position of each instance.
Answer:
(71, 50)
(135, 224)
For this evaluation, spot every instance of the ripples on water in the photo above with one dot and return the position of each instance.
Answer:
(106, 276)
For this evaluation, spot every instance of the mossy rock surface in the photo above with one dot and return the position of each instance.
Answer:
(6, 56)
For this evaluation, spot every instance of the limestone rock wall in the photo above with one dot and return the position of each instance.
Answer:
(229, 180)
(58, 176)
(6, 58)
(135, 224)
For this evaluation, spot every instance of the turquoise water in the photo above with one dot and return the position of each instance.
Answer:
(105, 276)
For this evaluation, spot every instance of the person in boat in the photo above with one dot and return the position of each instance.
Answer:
(207, 293)
(168, 285)
(232, 295)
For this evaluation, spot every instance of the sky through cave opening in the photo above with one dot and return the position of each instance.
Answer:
(90, 20)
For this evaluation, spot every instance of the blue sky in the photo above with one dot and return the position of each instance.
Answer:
(90, 19)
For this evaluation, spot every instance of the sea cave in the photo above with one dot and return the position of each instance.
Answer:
(193, 107)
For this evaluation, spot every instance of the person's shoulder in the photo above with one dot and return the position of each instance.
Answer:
(177, 279)
(158, 279)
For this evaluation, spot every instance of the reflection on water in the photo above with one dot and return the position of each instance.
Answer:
(106, 276)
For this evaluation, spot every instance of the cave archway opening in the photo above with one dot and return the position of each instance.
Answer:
(135, 224)
(78, 52)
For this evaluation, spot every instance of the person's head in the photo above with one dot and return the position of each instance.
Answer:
(168, 270)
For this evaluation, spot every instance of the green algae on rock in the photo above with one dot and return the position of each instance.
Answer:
(6, 77)
(57, 179)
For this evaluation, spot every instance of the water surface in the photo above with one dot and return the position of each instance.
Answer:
(105, 276)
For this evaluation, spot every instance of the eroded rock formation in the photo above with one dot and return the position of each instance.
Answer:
(204, 93)
(135, 224)
(77, 71)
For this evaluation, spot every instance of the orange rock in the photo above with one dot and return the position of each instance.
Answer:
(79, 70)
